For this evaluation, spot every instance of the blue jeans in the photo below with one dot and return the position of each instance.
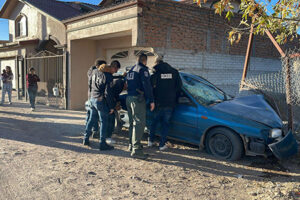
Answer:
(7, 87)
(163, 116)
(103, 112)
(32, 91)
(111, 125)
(94, 114)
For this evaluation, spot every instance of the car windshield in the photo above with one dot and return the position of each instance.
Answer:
(203, 91)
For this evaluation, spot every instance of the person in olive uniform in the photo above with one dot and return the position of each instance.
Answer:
(166, 85)
(139, 91)
(102, 102)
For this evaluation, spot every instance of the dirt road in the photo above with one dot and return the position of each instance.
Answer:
(41, 157)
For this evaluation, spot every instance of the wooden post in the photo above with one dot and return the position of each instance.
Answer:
(288, 93)
(288, 85)
(275, 43)
(247, 58)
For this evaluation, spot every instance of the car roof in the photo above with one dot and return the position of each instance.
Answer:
(195, 77)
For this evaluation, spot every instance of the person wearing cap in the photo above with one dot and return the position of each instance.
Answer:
(139, 91)
(166, 85)
(32, 86)
(102, 102)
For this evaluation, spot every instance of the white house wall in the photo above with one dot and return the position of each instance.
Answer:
(39, 25)
(114, 22)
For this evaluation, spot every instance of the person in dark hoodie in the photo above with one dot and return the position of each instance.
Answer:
(117, 87)
(32, 86)
(166, 85)
(102, 101)
(88, 106)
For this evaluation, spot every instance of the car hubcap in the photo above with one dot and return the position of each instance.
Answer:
(220, 145)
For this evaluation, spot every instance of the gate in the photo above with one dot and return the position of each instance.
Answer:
(49, 67)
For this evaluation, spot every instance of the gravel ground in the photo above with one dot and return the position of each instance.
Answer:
(41, 157)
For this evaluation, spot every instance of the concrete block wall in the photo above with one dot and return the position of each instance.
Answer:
(223, 70)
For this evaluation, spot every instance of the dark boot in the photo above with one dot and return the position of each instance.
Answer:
(105, 147)
(86, 142)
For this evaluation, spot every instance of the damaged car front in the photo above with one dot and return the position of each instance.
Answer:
(258, 126)
(266, 134)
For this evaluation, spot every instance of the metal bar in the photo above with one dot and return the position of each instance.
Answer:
(44, 57)
(288, 94)
(24, 75)
(275, 43)
(294, 55)
(247, 58)
(17, 77)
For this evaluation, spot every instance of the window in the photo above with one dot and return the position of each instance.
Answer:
(184, 99)
(123, 54)
(203, 91)
(21, 26)
(139, 52)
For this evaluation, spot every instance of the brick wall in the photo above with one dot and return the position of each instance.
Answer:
(195, 39)
(178, 25)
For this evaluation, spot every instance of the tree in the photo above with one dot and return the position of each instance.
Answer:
(281, 18)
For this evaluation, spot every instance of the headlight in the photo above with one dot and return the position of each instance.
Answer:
(275, 133)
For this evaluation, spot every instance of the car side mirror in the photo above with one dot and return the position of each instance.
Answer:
(184, 100)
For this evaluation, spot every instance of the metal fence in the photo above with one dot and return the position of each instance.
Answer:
(274, 87)
(49, 67)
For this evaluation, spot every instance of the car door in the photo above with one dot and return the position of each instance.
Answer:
(184, 119)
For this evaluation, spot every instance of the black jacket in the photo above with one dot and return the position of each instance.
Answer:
(89, 75)
(118, 85)
(102, 83)
(138, 78)
(166, 85)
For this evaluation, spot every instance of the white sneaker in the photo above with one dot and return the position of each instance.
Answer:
(32, 109)
(110, 141)
(150, 144)
(10, 103)
(163, 148)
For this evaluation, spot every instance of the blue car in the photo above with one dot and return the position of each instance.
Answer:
(227, 127)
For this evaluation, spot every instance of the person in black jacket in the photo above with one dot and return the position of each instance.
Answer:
(166, 85)
(102, 101)
(117, 88)
(88, 106)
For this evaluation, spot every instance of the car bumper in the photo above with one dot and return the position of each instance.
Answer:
(286, 147)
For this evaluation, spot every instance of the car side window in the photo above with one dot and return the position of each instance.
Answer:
(184, 99)
(204, 92)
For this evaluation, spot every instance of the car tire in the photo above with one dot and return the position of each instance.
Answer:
(224, 143)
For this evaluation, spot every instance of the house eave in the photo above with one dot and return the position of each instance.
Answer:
(18, 44)
(102, 11)
(7, 8)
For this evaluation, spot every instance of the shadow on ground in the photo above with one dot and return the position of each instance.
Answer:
(68, 136)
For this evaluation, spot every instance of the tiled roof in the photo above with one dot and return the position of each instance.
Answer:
(62, 10)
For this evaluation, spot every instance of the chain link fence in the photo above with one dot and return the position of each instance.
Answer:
(274, 87)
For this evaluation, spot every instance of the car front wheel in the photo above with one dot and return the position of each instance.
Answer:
(224, 143)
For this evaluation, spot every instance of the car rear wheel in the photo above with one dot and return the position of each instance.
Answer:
(224, 143)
